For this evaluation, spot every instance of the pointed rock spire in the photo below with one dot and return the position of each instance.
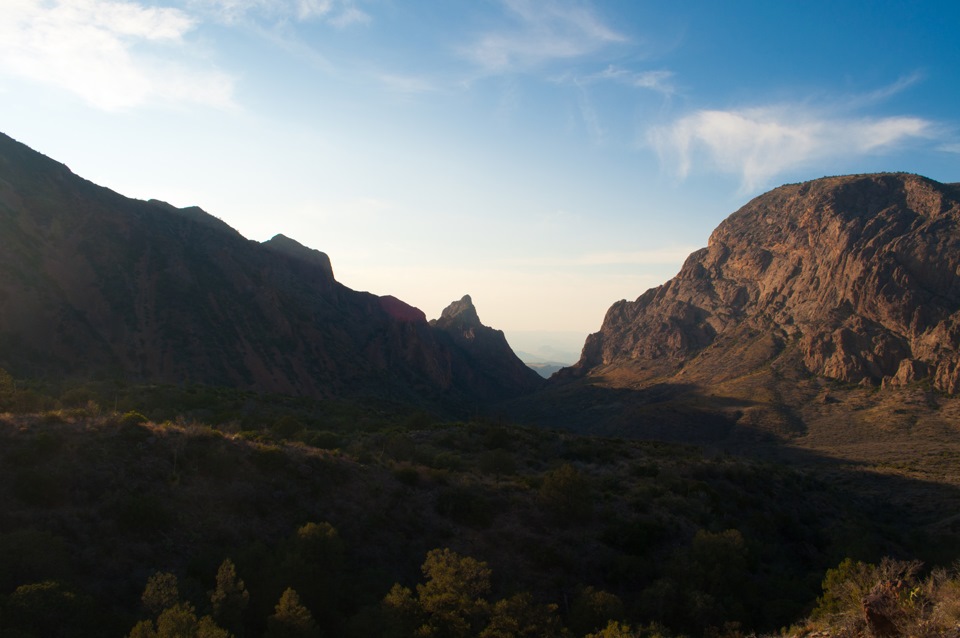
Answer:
(462, 312)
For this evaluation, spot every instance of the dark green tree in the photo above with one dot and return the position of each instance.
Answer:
(615, 629)
(229, 599)
(291, 619)
(47, 609)
(312, 563)
(160, 593)
(520, 617)
(174, 619)
(453, 598)
(593, 609)
(179, 621)
(402, 613)
(450, 604)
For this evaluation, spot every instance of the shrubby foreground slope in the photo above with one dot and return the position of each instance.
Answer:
(94, 504)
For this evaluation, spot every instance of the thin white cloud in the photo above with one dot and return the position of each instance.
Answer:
(407, 84)
(546, 30)
(113, 54)
(886, 92)
(654, 80)
(657, 81)
(759, 143)
(349, 16)
(337, 13)
(591, 118)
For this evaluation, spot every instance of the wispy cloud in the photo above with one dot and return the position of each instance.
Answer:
(590, 117)
(544, 30)
(886, 92)
(337, 13)
(761, 142)
(111, 53)
(654, 80)
(407, 84)
(658, 81)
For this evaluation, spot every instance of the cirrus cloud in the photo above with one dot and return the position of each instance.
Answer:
(546, 30)
(759, 143)
(113, 54)
(338, 13)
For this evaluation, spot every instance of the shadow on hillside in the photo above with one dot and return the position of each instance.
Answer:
(663, 411)
(914, 517)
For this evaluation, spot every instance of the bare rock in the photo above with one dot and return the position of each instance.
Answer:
(862, 272)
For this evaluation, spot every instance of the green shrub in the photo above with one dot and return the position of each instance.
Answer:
(133, 418)
(322, 439)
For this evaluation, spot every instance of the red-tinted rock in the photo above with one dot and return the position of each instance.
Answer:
(861, 272)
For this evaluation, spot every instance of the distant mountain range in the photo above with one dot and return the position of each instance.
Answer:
(94, 284)
(842, 282)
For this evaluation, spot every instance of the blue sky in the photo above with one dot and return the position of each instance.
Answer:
(547, 157)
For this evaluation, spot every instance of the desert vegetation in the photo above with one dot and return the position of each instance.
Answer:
(197, 511)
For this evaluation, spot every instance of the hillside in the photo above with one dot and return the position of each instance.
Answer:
(598, 529)
(96, 285)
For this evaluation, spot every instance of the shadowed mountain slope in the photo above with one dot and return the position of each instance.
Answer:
(95, 284)
(490, 356)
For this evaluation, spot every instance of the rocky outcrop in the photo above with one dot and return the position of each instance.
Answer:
(493, 361)
(860, 273)
(93, 284)
(401, 310)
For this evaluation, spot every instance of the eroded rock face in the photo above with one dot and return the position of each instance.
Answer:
(863, 272)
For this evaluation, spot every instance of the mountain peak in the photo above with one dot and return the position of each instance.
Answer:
(487, 347)
(293, 248)
(859, 274)
(462, 312)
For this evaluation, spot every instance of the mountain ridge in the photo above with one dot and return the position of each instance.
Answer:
(93, 283)
(862, 269)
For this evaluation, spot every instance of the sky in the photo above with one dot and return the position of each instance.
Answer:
(547, 157)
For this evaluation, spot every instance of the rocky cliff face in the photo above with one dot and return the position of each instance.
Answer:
(861, 274)
(93, 283)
